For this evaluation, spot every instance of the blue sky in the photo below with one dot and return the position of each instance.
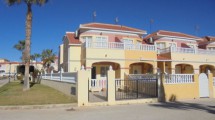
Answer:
(51, 21)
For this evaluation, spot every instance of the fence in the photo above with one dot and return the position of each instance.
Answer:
(119, 45)
(62, 77)
(164, 50)
(134, 89)
(142, 76)
(97, 85)
(186, 50)
(178, 78)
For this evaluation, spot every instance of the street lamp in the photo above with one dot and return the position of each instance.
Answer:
(9, 71)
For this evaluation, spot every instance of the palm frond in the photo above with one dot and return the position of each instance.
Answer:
(12, 2)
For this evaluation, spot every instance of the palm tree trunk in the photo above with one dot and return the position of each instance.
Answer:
(27, 47)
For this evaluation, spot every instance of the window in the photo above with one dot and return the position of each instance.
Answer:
(211, 48)
(161, 45)
(101, 42)
(101, 39)
(104, 71)
(138, 43)
(86, 38)
(128, 43)
(172, 45)
(191, 46)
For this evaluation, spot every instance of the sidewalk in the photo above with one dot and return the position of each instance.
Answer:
(199, 109)
(3, 82)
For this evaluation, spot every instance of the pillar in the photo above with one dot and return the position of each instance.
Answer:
(111, 87)
(211, 88)
(82, 88)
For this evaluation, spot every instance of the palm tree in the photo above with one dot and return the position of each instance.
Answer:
(37, 55)
(48, 57)
(28, 27)
(20, 46)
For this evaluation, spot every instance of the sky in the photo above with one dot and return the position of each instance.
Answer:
(52, 20)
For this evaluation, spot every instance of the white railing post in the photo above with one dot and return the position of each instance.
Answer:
(196, 50)
(87, 43)
(51, 74)
(61, 75)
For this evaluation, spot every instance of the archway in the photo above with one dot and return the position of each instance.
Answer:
(99, 69)
(207, 68)
(21, 69)
(140, 68)
(184, 69)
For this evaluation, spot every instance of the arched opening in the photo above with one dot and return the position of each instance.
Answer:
(99, 70)
(184, 69)
(21, 69)
(206, 69)
(140, 68)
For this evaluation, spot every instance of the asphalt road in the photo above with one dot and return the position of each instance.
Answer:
(201, 109)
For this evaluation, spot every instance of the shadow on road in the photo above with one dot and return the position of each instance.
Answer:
(185, 106)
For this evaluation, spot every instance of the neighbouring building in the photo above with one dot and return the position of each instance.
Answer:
(180, 53)
(10, 68)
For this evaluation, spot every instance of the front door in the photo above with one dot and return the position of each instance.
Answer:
(203, 85)
(93, 73)
(137, 69)
(103, 72)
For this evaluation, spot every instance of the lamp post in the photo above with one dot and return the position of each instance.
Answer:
(9, 72)
(14, 73)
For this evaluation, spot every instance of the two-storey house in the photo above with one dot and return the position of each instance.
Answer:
(97, 46)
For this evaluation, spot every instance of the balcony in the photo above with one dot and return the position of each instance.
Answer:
(186, 51)
(119, 46)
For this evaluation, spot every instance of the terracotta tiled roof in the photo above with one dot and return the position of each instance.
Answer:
(111, 27)
(171, 33)
(162, 58)
(207, 40)
(71, 37)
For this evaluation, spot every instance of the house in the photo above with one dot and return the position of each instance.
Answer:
(8, 68)
(96, 46)
(180, 53)
(185, 61)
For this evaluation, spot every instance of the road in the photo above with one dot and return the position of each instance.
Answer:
(201, 109)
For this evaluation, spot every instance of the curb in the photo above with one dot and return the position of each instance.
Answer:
(29, 107)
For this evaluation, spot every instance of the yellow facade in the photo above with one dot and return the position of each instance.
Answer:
(96, 57)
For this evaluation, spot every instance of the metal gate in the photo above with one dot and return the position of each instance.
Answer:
(203, 85)
(135, 89)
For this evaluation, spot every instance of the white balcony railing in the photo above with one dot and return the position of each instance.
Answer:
(96, 83)
(182, 50)
(121, 46)
(186, 51)
(179, 78)
(164, 50)
(207, 52)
